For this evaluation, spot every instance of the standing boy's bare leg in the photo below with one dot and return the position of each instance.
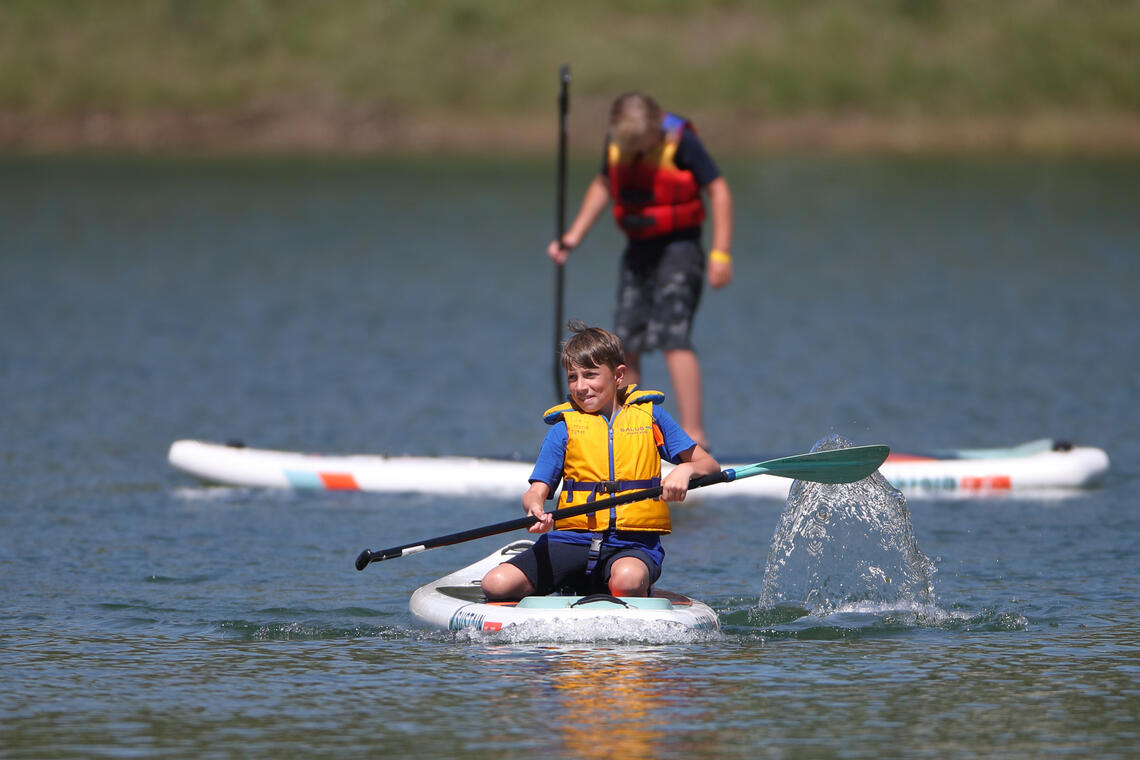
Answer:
(685, 370)
(632, 368)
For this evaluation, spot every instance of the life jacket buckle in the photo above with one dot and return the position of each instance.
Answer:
(596, 541)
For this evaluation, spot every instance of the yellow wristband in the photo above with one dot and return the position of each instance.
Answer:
(723, 257)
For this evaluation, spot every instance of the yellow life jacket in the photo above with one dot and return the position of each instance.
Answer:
(612, 457)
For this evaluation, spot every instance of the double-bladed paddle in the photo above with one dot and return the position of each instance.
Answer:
(834, 466)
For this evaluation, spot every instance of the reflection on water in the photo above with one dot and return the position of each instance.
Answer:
(612, 702)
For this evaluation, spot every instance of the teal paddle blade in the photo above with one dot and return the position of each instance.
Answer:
(835, 466)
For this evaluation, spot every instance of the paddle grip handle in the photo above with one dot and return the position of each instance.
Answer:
(367, 556)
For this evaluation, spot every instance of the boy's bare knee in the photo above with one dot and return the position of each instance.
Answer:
(629, 577)
(505, 582)
(494, 584)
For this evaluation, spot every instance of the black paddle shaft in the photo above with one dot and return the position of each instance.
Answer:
(395, 552)
(560, 223)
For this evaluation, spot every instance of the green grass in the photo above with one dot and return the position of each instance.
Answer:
(462, 61)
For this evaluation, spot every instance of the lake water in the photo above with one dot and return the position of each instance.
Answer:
(405, 307)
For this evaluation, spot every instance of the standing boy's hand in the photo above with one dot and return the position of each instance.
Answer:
(593, 204)
(720, 272)
(558, 251)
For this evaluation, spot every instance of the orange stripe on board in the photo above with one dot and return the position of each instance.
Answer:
(489, 626)
(339, 481)
(893, 457)
(987, 483)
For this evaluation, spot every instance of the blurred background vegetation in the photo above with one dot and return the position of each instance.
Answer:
(376, 76)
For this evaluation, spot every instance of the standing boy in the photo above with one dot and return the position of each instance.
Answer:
(609, 439)
(655, 169)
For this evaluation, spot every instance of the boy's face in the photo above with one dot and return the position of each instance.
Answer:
(594, 389)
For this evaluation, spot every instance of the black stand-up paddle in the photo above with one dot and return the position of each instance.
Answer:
(560, 223)
(835, 466)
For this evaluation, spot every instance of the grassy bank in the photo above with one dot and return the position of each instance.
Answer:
(398, 75)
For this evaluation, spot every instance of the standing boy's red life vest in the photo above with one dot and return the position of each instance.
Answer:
(652, 197)
(607, 459)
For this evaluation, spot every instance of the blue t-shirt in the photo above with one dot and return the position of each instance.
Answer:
(548, 468)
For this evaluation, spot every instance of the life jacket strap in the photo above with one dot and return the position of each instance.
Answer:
(605, 487)
(596, 541)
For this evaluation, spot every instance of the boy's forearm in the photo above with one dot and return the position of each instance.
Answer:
(720, 198)
(594, 202)
(703, 463)
(535, 496)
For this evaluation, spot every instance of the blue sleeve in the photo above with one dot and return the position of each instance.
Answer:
(677, 441)
(551, 457)
(691, 155)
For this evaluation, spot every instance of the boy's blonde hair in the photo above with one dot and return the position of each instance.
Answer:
(635, 121)
(591, 347)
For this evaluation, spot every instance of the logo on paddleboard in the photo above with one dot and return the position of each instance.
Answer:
(951, 483)
(472, 619)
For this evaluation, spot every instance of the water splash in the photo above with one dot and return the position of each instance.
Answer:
(846, 548)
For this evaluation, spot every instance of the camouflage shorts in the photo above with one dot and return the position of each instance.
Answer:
(659, 289)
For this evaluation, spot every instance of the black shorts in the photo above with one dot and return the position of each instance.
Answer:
(659, 289)
(552, 566)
